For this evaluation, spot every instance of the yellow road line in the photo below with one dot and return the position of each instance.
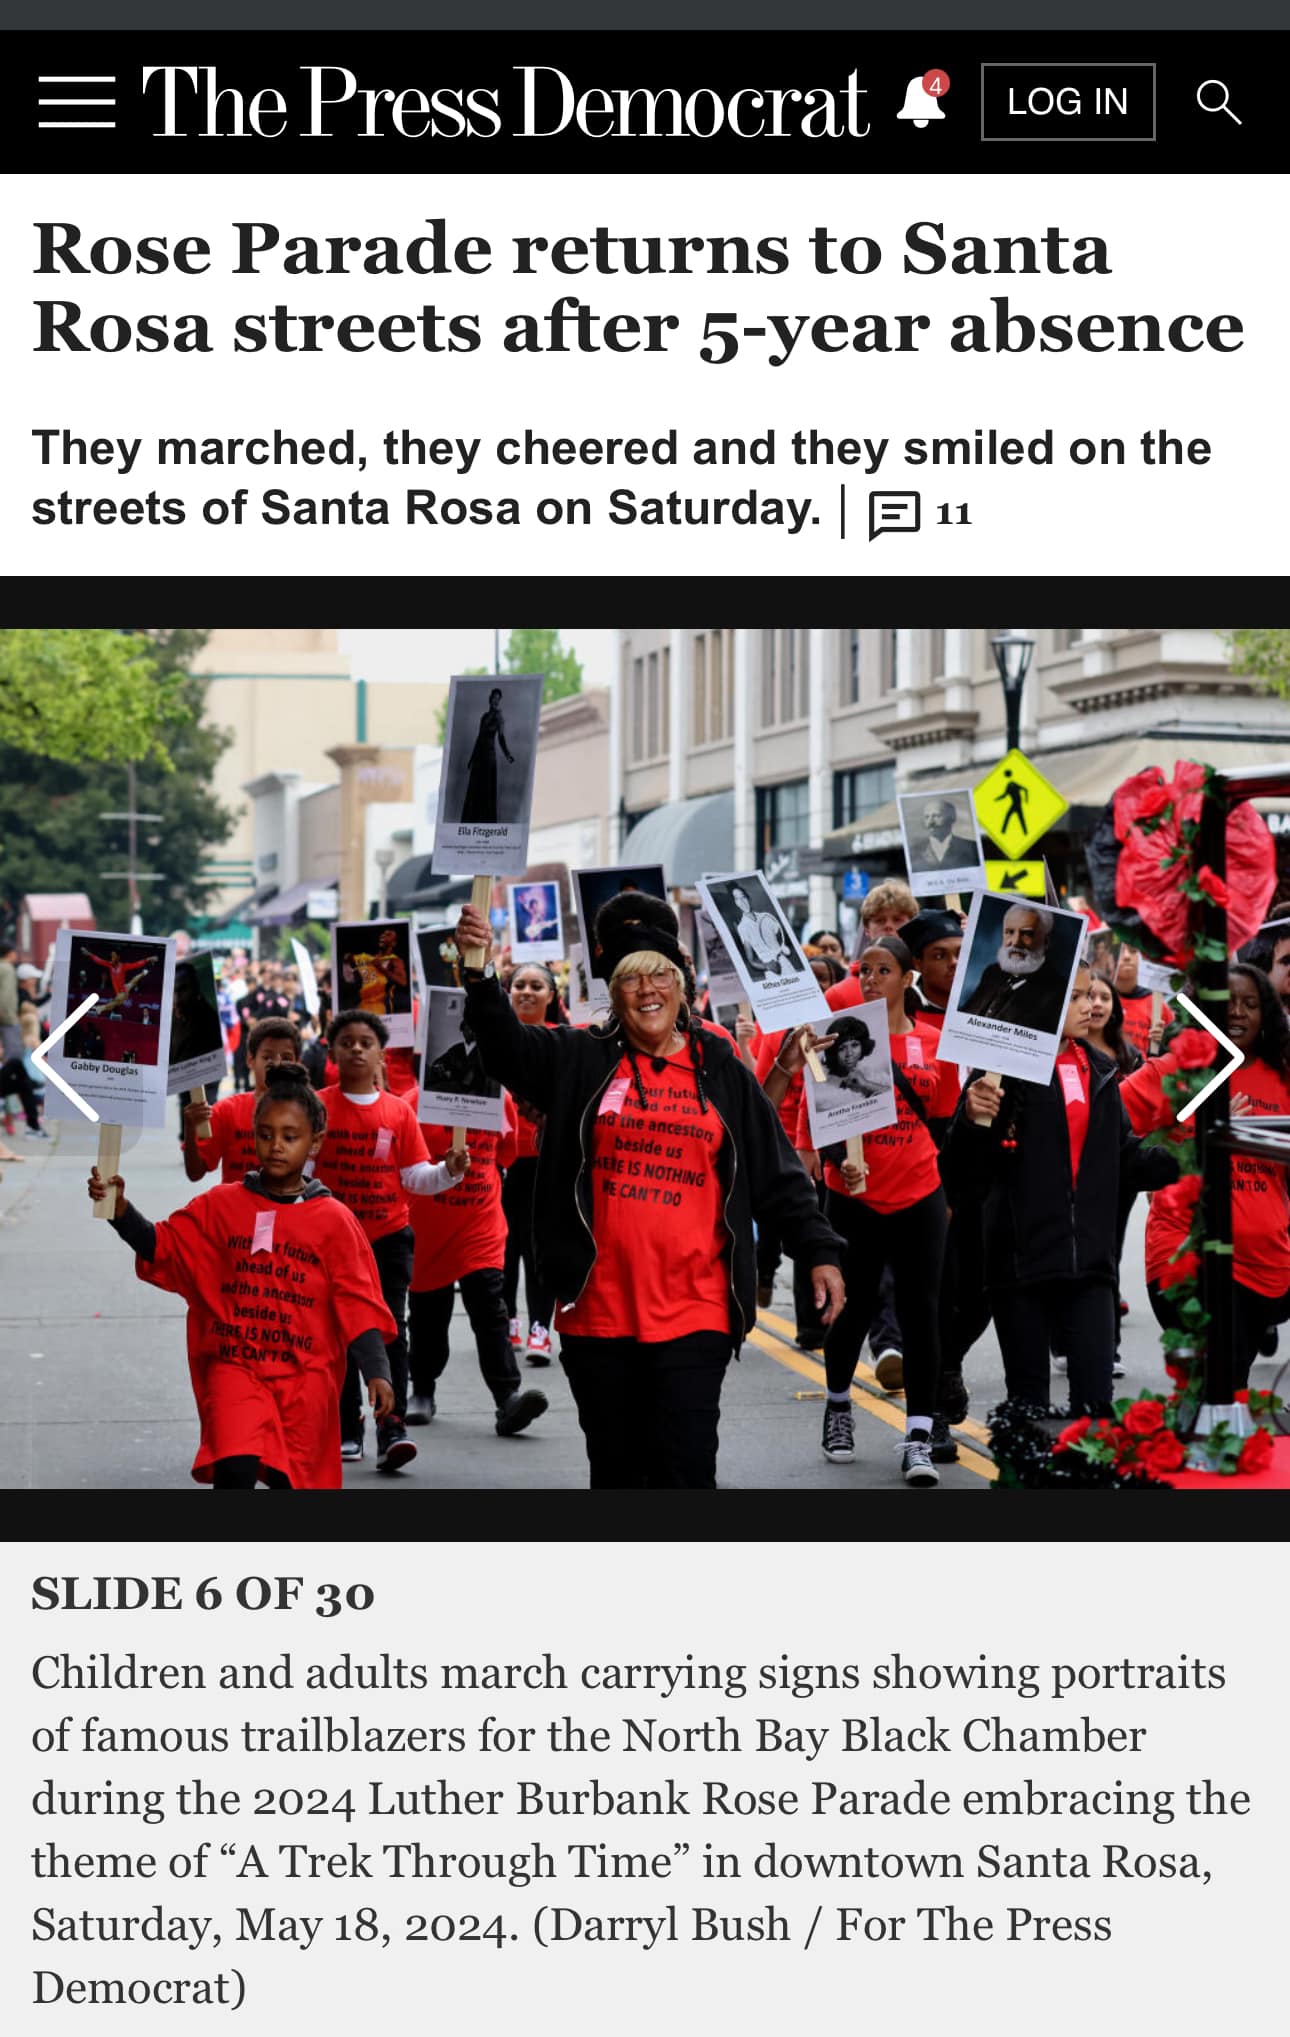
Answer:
(881, 1411)
(966, 1427)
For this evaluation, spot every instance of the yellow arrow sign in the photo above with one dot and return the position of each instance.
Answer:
(1015, 804)
(1027, 878)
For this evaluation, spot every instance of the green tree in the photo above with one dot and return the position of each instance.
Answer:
(54, 839)
(78, 694)
(530, 651)
(1262, 655)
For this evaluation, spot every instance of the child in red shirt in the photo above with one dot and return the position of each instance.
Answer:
(230, 1146)
(373, 1157)
(282, 1294)
(461, 1242)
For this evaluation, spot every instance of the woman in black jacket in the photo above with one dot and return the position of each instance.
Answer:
(658, 1151)
(1050, 1164)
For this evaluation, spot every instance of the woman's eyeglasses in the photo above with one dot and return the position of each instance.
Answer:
(658, 979)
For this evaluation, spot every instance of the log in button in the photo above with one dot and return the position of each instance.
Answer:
(1068, 102)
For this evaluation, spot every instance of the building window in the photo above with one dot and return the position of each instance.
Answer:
(700, 689)
(651, 706)
(935, 654)
(783, 817)
(860, 792)
(638, 709)
(785, 676)
(889, 676)
(728, 679)
(769, 668)
(849, 669)
(1067, 639)
(666, 705)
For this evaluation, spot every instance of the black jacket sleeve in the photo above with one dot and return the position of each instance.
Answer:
(524, 1058)
(139, 1234)
(369, 1354)
(782, 1197)
(1143, 1167)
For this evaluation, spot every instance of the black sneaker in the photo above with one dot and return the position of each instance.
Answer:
(394, 1447)
(838, 1441)
(944, 1448)
(809, 1340)
(421, 1409)
(953, 1396)
(765, 1293)
(520, 1410)
(916, 1466)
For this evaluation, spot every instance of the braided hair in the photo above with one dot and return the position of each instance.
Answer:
(288, 1082)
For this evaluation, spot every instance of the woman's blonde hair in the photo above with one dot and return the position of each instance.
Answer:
(644, 963)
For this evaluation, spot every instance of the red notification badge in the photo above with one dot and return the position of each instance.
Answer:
(936, 83)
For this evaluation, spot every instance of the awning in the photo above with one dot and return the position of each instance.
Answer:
(413, 887)
(689, 837)
(1085, 777)
(241, 912)
(289, 905)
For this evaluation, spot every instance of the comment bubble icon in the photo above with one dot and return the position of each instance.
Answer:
(892, 509)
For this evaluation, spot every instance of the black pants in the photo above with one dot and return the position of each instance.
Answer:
(14, 1076)
(429, 1315)
(1252, 1314)
(517, 1208)
(1074, 1317)
(912, 1242)
(965, 1303)
(242, 1474)
(649, 1412)
(393, 1256)
(769, 1248)
(884, 1330)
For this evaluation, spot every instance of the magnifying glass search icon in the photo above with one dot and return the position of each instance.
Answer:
(1221, 104)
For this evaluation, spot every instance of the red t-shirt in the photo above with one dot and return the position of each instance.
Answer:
(462, 1229)
(276, 1294)
(662, 1247)
(231, 1145)
(767, 1047)
(929, 1016)
(366, 1146)
(400, 1074)
(1260, 1202)
(1071, 1070)
(901, 1159)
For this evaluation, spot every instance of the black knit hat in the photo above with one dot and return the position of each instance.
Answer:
(632, 937)
(933, 925)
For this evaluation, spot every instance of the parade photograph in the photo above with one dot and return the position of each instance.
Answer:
(814, 1060)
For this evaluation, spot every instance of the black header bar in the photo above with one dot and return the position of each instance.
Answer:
(183, 102)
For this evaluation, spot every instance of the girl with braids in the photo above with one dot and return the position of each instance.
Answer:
(898, 1218)
(658, 1152)
(535, 1000)
(1257, 1024)
(282, 1293)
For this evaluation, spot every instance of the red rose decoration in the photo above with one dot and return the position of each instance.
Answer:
(1212, 885)
(1144, 1417)
(1180, 1374)
(1070, 1436)
(1256, 1452)
(1119, 1439)
(1151, 891)
(1186, 1267)
(1162, 1453)
(1193, 1048)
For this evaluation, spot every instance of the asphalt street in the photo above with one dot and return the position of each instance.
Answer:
(97, 1395)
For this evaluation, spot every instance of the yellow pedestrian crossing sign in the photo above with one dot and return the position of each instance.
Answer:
(1027, 878)
(1015, 804)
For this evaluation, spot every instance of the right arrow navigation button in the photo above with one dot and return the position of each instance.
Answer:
(1223, 1075)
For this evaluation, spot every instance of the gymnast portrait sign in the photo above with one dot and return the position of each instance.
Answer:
(371, 972)
(117, 1055)
(486, 785)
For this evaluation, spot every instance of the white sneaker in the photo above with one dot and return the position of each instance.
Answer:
(513, 1332)
(1058, 1365)
(890, 1371)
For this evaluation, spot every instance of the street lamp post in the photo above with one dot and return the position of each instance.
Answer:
(1012, 655)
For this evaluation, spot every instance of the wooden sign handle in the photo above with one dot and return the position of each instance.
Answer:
(459, 1138)
(198, 1095)
(953, 903)
(855, 1154)
(481, 894)
(815, 1065)
(109, 1163)
(1157, 1021)
(995, 1082)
